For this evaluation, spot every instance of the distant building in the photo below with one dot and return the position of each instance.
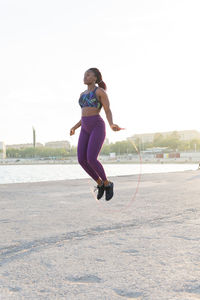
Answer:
(22, 146)
(112, 154)
(2, 150)
(188, 135)
(185, 135)
(154, 150)
(58, 144)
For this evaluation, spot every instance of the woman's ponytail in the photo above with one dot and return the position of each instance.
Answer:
(102, 84)
(99, 80)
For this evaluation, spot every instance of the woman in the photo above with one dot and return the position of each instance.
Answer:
(93, 131)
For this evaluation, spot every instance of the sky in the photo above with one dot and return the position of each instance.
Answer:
(147, 52)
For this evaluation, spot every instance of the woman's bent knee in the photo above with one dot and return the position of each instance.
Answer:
(92, 161)
(81, 160)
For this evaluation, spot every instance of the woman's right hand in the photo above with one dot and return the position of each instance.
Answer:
(72, 131)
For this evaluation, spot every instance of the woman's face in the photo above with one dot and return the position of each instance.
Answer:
(89, 77)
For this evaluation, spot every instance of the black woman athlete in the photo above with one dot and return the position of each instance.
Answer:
(93, 131)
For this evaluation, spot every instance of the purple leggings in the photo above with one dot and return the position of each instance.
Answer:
(90, 141)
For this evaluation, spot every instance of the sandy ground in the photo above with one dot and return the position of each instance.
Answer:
(58, 242)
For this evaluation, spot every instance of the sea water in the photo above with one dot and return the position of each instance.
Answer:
(36, 173)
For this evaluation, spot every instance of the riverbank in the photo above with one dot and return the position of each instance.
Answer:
(104, 161)
(58, 242)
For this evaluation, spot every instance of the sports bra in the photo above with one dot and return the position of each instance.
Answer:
(90, 99)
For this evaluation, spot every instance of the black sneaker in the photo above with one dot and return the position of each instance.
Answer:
(100, 190)
(109, 190)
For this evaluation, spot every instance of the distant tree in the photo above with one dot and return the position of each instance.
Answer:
(172, 140)
(158, 140)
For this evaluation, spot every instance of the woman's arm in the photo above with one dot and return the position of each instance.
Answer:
(106, 105)
(77, 125)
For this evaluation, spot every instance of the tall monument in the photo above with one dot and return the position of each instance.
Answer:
(34, 137)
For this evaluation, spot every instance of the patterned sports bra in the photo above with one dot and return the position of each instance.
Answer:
(90, 99)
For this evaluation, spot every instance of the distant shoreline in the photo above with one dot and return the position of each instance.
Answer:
(74, 162)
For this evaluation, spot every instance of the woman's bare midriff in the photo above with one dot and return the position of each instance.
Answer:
(90, 111)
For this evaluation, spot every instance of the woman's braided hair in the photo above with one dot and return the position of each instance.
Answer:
(99, 80)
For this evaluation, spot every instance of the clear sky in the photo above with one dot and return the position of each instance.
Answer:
(147, 52)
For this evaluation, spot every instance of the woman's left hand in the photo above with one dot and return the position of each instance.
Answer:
(115, 127)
